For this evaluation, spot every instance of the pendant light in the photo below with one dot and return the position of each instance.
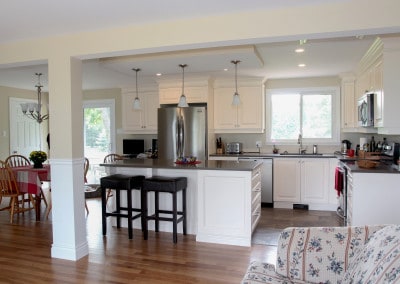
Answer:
(182, 99)
(136, 102)
(236, 98)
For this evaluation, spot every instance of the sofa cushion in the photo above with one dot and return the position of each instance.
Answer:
(379, 260)
(319, 254)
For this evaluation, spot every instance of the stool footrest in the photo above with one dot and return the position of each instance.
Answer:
(153, 217)
(115, 214)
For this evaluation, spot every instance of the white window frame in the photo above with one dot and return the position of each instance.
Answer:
(335, 91)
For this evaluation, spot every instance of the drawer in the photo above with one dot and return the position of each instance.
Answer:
(256, 178)
(255, 217)
(255, 199)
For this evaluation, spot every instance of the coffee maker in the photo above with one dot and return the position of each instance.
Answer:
(346, 145)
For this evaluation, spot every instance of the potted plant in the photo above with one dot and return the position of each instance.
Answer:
(38, 157)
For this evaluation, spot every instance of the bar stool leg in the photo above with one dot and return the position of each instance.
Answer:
(145, 213)
(184, 210)
(129, 196)
(103, 210)
(174, 217)
(118, 210)
(157, 208)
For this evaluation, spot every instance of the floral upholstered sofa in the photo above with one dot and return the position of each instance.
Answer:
(362, 255)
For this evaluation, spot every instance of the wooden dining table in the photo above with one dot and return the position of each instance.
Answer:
(30, 179)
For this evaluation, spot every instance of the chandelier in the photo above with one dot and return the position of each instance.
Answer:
(33, 110)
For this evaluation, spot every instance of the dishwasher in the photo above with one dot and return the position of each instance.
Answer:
(266, 179)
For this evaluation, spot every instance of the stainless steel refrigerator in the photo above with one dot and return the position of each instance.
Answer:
(182, 132)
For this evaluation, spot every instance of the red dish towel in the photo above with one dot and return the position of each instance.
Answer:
(338, 181)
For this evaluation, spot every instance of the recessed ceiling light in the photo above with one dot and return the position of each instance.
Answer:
(158, 74)
(301, 65)
(225, 69)
(299, 50)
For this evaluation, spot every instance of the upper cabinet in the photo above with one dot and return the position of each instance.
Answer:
(378, 72)
(196, 90)
(248, 117)
(349, 115)
(143, 121)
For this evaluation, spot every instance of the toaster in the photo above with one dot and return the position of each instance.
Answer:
(234, 148)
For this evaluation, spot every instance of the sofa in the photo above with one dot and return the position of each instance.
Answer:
(354, 254)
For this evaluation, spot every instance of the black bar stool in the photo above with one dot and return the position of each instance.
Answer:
(120, 182)
(171, 185)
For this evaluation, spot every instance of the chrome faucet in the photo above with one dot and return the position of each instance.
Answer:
(300, 142)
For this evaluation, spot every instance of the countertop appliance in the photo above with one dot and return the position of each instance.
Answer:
(132, 147)
(392, 150)
(182, 132)
(234, 148)
(266, 179)
(365, 107)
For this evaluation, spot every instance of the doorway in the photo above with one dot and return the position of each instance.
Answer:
(99, 135)
(25, 133)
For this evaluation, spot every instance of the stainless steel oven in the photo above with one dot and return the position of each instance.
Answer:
(365, 108)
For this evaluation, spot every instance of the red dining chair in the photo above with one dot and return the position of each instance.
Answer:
(9, 188)
(108, 159)
(22, 161)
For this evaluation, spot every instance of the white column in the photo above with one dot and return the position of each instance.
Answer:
(67, 181)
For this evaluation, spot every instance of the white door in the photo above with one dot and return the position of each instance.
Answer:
(99, 135)
(24, 131)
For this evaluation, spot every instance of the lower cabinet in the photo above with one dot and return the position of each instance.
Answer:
(303, 181)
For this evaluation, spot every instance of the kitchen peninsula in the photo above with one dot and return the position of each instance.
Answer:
(223, 197)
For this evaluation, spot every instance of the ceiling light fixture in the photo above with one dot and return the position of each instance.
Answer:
(34, 110)
(299, 50)
(236, 98)
(301, 65)
(136, 102)
(182, 99)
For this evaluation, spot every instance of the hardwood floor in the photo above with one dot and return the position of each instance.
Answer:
(25, 252)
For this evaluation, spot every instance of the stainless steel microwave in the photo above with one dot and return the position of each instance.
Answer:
(365, 107)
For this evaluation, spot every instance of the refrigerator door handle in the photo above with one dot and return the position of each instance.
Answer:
(179, 137)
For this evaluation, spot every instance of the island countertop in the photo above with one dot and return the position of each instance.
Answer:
(170, 164)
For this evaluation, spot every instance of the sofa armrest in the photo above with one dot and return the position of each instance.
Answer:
(318, 254)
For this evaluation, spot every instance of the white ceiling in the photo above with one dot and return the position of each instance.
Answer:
(40, 18)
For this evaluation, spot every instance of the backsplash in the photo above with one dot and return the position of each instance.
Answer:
(249, 142)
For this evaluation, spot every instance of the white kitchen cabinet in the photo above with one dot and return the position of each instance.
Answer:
(224, 158)
(349, 107)
(302, 181)
(368, 202)
(248, 117)
(197, 90)
(143, 121)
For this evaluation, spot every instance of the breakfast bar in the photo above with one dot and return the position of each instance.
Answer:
(223, 197)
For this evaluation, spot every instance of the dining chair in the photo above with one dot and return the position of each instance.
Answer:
(85, 170)
(108, 159)
(22, 161)
(9, 188)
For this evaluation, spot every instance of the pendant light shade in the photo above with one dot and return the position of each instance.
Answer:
(182, 99)
(236, 98)
(136, 102)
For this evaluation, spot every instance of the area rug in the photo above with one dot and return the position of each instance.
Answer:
(266, 236)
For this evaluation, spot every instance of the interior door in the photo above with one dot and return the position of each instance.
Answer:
(99, 135)
(25, 132)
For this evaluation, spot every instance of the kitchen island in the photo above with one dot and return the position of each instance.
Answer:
(223, 197)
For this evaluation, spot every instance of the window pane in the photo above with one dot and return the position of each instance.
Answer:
(285, 116)
(317, 116)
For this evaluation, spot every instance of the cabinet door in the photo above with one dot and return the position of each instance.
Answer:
(378, 89)
(250, 111)
(150, 111)
(225, 114)
(287, 180)
(314, 180)
(132, 119)
(171, 95)
(348, 107)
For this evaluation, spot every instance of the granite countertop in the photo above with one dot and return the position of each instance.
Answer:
(170, 164)
(271, 155)
(382, 168)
